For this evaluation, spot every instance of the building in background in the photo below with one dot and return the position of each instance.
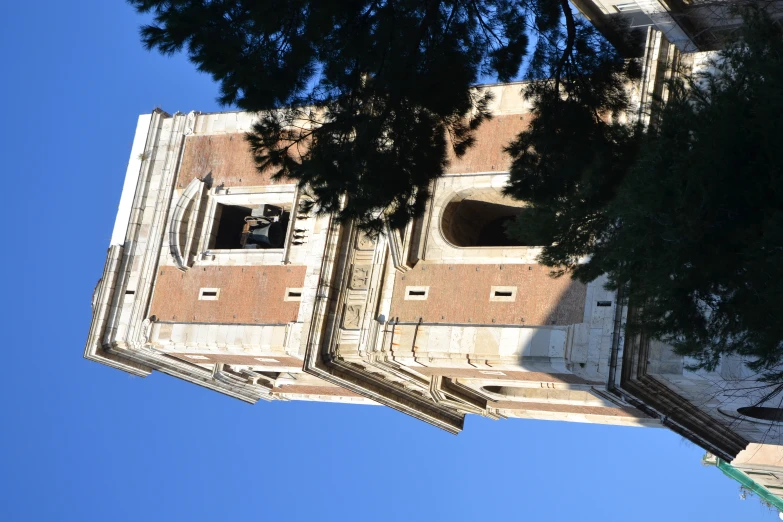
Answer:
(217, 275)
(766, 485)
(691, 25)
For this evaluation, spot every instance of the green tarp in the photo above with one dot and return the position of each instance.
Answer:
(762, 492)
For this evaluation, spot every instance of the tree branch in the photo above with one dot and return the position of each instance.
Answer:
(571, 38)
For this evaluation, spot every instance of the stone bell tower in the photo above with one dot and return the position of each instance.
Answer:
(218, 276)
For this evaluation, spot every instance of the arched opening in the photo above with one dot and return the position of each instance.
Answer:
(762, 412)
(509, 391)
(480, 218)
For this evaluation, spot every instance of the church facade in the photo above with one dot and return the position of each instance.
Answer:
(218, 275)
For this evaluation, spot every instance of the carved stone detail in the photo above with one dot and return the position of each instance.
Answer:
(360, 277)
(363, 242)
(353, 316)
(190, 123)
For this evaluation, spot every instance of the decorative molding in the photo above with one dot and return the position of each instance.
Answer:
(190, 123)
(680, 415)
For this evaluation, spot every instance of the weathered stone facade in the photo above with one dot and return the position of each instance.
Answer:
(410, 319)
(425, 320)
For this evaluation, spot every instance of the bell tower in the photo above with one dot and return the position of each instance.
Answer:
(218, 275)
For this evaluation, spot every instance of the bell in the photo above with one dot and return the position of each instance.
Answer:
(271, 235)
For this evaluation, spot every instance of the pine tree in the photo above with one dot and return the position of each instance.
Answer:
(687, 219)
(361, 100)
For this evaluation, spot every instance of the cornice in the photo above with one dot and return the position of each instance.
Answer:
(321, 359)
(679, 414)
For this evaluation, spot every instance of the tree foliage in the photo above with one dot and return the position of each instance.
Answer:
(689, 218)
(362, 101)
(362, 98)
(569, 163)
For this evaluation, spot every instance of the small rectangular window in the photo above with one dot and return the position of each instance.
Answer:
(293, 294)
(209, 294)
(503, 294)
(417, 293)
(628, 7)
(604, 303)
(130, 292)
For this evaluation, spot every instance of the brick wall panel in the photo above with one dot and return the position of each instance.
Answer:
(226, 156)
(248, 295)
(460, 294)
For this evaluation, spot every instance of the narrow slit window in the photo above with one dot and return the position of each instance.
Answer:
(293, 294)
(130, 292)
(491, 372)
(604, 303)
(628, 7)
(416, 293)
(209, 294)
(503, 294)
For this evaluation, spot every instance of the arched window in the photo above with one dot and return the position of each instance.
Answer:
(508, 391)
(762, 412)
(479, 219)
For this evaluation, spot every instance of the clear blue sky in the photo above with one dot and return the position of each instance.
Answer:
(84, 442)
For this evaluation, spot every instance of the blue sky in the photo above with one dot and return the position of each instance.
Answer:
(84, 442)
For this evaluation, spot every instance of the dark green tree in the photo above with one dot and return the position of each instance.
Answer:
(571, 160)
(361, 99)
(688, 219)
